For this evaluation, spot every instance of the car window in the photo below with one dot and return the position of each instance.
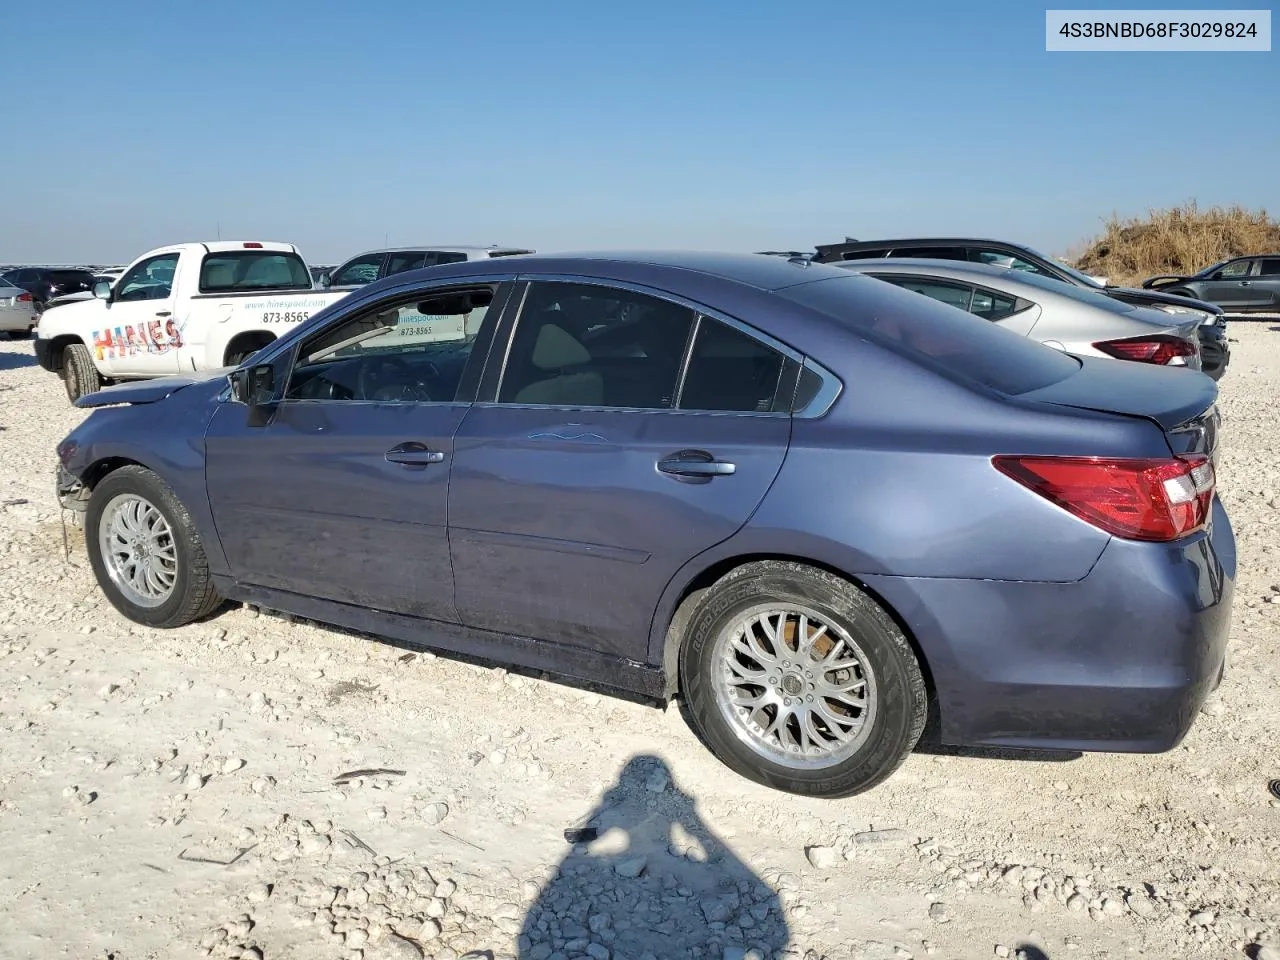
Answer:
(253, 270)
(152, 279)
(359, 271)
(932, 253)
(1270, 267)
(405, 260)
(729, 370)
(941, 339)
(866, 253)
(400, 351)
(437, 257)
(953, 294)
(1238, 268)
(990, 305)
(1008, 260)
(595, 346)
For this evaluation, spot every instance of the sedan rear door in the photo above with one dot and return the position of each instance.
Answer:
(598, 467)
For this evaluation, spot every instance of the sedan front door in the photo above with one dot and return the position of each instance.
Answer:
(1230, 286)
(596, 472)
(342, 494)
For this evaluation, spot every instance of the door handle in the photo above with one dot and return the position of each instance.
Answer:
(696, 465)
(164, 313)
(1244, 283)
(413, 453)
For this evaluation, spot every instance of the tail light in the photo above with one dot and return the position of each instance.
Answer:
(1150, 499)
(1163, 349)
(23, 298)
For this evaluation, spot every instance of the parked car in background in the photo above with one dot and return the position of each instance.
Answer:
(108, 278)
(1214, 347)
(1079, 321)
(1238, 285)
(620, 467)
(18, 315)
(45, 283)
(187, 307)
(376, 264)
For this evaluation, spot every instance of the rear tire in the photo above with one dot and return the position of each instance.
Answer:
(796, 679)
(78, 372)
(146, 552)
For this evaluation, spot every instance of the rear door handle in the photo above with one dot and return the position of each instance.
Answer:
(164, 313)
(696, 465)
(413, 453)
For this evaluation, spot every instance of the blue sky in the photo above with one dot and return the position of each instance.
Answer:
(747, 125)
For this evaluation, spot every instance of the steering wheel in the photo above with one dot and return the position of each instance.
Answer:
(380, 372)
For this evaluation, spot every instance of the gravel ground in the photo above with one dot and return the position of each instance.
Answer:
(260, 787)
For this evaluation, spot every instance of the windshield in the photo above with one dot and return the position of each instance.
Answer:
(1212, 267)
(253, 270)
(1083, 278)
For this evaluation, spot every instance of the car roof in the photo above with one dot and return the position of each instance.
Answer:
(937, 267)
(755, 270)
(922, 241)
(440, 247)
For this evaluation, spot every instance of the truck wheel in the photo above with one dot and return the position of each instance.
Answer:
(78, 372)
(146, 552)
(797, 679)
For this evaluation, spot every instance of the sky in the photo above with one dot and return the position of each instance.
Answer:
(566, 125)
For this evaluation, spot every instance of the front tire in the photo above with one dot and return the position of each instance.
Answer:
(798, 680)
(78, 372)
(146, 552)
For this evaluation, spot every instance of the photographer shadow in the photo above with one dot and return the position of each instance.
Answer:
(646, 878)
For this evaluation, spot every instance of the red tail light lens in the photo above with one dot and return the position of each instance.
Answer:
(1158, 500)
(1163, 349)
(253, 245)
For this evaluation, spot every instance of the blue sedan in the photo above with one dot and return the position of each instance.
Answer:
(811, 504)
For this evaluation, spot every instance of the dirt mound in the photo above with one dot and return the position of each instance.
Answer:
(1179, 240)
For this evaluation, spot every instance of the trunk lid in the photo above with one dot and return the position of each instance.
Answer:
(1183, 402)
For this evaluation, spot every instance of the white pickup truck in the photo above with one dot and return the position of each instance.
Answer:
(191, 306)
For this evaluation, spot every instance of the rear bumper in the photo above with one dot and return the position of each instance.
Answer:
(1119, 661)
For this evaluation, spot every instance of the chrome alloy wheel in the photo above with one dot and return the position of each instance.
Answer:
(794, 687)
(138, 550)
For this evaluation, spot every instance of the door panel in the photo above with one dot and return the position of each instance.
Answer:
(1232, 289)
(563, 527)
(137, 333)
(340, 500)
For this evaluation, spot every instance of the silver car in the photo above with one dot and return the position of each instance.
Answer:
(1073, 319)
(18, 315)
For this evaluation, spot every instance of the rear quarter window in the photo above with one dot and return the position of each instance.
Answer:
(935, 335)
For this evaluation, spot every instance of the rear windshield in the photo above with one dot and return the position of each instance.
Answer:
(935, 335)
(253, 270)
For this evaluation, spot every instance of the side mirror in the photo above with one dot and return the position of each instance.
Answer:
(102, 290)
(254, 387)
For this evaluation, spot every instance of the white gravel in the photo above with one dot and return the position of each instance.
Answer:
(256, 787)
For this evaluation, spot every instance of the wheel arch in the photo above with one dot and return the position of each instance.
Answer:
(252, 340)
(692, 582)
(58, 346)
